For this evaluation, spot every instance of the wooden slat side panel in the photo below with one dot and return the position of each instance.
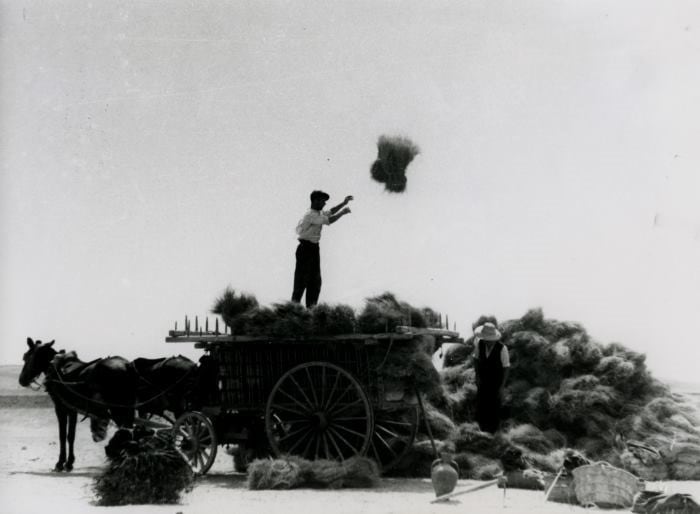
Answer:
(248, 372)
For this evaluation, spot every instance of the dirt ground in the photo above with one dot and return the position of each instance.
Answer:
(28, 451)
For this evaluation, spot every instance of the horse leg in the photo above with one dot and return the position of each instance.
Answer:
(72, 419)
(61, 415)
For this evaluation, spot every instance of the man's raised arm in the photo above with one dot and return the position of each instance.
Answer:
(341, 205)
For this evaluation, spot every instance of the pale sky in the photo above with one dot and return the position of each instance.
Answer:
(155, 152)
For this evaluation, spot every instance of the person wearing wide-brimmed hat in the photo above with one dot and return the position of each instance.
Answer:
(307, 273)
(491, 363)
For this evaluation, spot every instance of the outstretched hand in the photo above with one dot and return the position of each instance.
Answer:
(348, 198)
(346, 211)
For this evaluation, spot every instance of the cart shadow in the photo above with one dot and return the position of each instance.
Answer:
(394, 485)
(227, 480)
(399, 485)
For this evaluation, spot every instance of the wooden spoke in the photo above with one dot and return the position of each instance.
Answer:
(345, 407)
(330, 396)
(335, 445)
(349, 430)
(301, 391)
(295, 400)
(330, 406)
(313, 389)
(281, 406)
(385, 444)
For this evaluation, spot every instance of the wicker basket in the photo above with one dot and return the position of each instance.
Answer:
(604, 485)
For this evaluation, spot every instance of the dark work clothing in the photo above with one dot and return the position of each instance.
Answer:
(489, 372)
(307, 274)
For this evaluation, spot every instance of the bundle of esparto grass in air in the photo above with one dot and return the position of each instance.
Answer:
(394, 154)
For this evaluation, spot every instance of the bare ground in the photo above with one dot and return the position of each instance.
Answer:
(28, 446)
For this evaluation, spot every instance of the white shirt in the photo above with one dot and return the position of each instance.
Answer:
(505, 358)
(309, 226)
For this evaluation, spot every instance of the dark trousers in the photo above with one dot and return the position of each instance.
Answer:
(307, 274)
(488, 407)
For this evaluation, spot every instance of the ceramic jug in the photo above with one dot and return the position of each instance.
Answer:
(444, 474)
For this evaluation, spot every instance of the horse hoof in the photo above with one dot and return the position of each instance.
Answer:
(57, 469)
(69, 467)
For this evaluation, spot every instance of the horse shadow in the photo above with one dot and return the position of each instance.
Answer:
(87, 472)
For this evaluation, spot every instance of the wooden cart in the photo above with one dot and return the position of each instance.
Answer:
(315, 397)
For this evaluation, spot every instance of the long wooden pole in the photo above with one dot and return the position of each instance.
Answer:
(447, 496)
(554, 482)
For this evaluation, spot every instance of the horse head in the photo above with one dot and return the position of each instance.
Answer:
(36, 361)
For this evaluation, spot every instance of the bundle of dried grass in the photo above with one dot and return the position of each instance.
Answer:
(149, 471)
(291, 319)
(477, 466)
(668, 504)
(417, 463)
(290, 472)
(469, 438)
(275, 474)
(230, 306)
(409, 362)
(258, 321)
(530, 438)
(528, 479)
(332, 319)
(394, 154)
(381, 313)
(441, 425)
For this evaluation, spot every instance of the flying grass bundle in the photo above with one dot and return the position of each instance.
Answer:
(148, 471)
(290, 472)
(394, 154)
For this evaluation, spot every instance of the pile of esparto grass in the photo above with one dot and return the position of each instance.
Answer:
(567, 390)
(290, 472)
(147, 470)
(394, 154)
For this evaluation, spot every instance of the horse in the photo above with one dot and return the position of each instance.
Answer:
(103, 389)
(165, 384)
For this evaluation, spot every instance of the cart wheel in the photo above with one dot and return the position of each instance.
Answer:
(318, 410)
(394, 433)
(195, 439)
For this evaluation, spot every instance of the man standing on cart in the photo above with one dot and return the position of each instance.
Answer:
(307, 274)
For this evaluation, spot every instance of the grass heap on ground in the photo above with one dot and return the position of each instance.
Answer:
(567, 390)
(144, 470)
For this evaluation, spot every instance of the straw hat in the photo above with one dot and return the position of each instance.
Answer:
(487, 332)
